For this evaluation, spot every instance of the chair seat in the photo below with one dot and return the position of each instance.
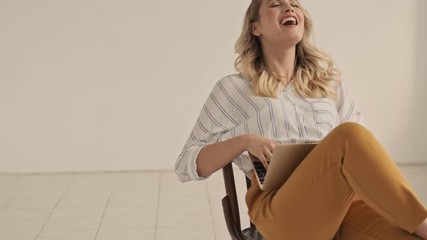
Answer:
(252, 234)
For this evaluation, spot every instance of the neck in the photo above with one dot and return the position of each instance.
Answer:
(281, 61)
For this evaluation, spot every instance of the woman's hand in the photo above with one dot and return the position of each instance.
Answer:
(215, 156)
(260, 148)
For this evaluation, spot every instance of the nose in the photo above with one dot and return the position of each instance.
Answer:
(288, 8)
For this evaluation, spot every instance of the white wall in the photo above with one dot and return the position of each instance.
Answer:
(420, 106)
(111, 85)
(380, 47)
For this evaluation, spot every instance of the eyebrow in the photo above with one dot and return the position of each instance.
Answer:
(291, 1)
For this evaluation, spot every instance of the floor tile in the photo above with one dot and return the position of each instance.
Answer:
(77, 213)
(136, 189)
(68, 235)
(85, 202)
(170, 186)
(221, 233)
(95, 185)
(10, 186)
(128, 223)
(194, 233)
(72, 225)
(137, 183)
(129, 217)
(131, 200)
(74, 219)
(129, 212)
(184, 221)
(20, 230)
(125, 217)
(49, 186)
(39, 216)
(184, 216)
(31, 204)
(127, 234)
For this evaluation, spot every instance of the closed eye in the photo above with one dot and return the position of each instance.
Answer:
(275, 4)
(295, 4)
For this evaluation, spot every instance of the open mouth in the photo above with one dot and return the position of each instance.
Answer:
(289, 21)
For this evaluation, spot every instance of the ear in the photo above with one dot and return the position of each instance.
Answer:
(255, 29)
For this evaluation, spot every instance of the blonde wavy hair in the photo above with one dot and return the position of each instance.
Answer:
(314, 72)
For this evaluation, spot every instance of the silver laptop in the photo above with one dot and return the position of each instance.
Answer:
(285, 159)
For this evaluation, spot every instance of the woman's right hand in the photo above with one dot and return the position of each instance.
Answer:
(261, 148)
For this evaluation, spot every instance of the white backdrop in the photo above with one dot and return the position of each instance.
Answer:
(117, 85)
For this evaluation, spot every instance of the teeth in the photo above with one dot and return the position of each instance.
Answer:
(292, 19)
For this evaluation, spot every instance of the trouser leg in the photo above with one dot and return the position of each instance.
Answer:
(315, 199)
(364, 223)
(305, 211)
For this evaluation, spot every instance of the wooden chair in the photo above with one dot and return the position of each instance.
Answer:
(231, 209)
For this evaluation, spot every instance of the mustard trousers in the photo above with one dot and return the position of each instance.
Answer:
(347, 188)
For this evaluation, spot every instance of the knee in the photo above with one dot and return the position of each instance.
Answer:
(351, 126)
(353, 132)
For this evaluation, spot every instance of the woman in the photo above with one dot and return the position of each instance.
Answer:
(288, 91)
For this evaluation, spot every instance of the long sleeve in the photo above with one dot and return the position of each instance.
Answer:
(348, 110)
(215, 119)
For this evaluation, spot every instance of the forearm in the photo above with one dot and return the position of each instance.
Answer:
(215, 156)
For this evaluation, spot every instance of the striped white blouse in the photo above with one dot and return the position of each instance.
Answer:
(232, 110)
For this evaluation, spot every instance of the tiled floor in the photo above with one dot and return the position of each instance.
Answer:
(123, 206)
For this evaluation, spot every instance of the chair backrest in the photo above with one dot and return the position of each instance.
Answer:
(230, 207)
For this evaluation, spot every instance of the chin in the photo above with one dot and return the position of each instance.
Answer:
(294, 40)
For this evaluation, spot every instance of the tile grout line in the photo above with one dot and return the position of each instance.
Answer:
(102, 217)
(210, 210)
(158, 207)
(107, 204)
(54, 208)
(48, 218)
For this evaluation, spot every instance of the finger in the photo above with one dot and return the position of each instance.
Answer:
(264, 162)
(253, 157)
(261, 158)
(268, 155)
(272, 145)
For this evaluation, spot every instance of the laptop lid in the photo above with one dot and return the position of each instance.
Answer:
(285, 159)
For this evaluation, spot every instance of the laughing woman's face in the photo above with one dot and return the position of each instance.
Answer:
(280, 22)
